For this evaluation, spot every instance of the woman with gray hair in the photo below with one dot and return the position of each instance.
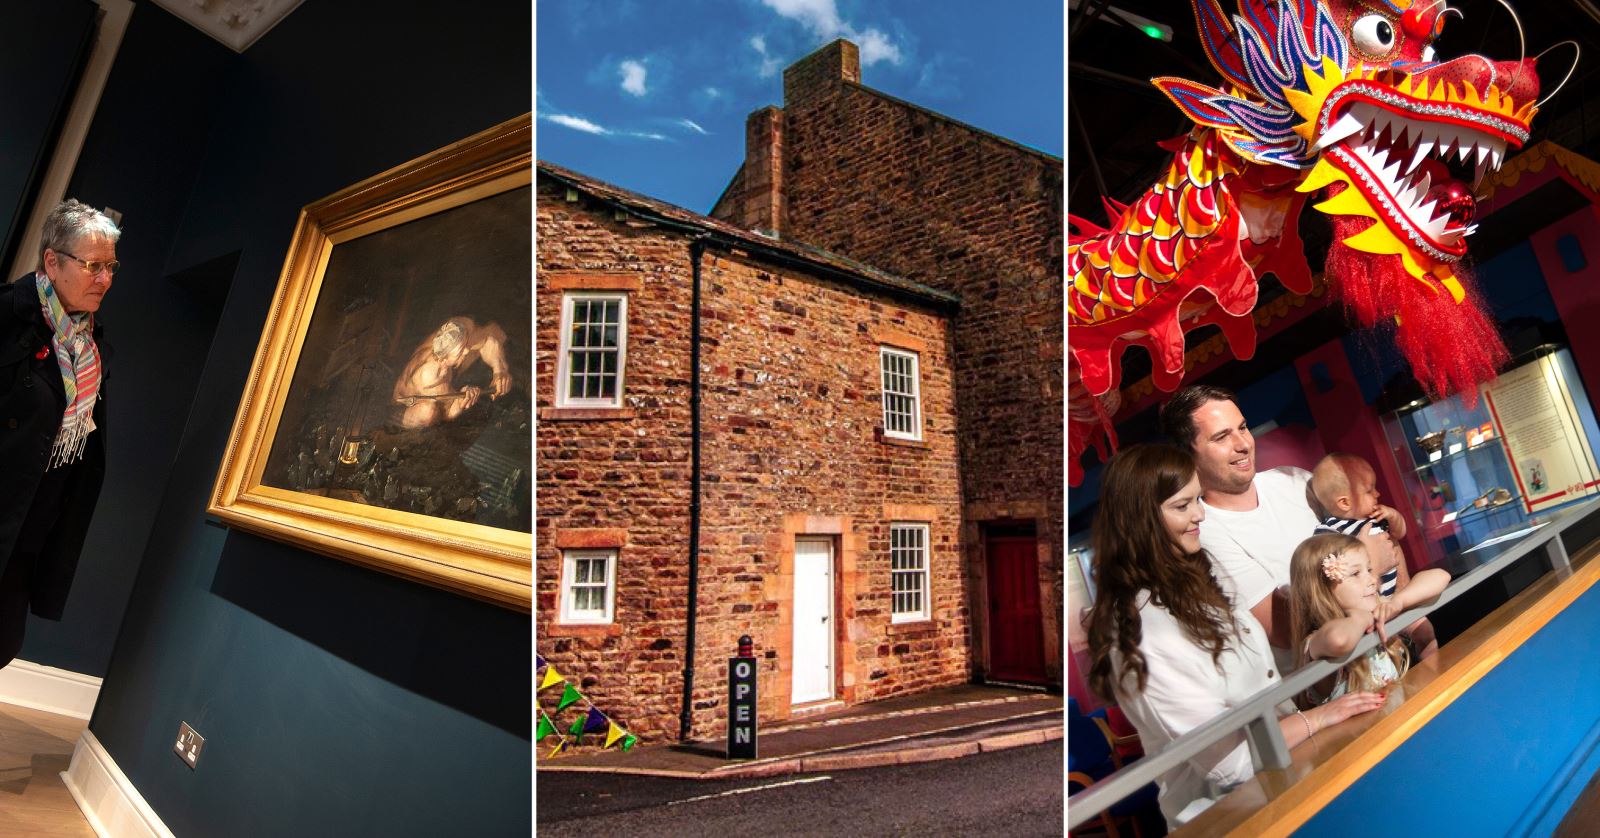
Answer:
(53, 369)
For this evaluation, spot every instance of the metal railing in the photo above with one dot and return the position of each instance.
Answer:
(1258, 717)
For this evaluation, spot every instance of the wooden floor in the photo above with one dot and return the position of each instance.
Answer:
(35, 748)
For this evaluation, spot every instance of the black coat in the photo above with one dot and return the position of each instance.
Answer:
(32, 400)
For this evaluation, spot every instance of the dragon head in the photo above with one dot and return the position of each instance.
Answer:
(1350, 93)
(1340, 97)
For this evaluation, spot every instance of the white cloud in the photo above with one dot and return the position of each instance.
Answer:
(821, 19)
(769, 62)
(706, 98)
(820, 16)
(693, 126)
(875, 47)
(576, 123)
(939, 77)
(633, 76)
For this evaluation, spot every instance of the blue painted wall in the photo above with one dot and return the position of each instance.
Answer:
(334, 700)
(43, 44)
(168, 80)
(1513, 285)
(1508, 757)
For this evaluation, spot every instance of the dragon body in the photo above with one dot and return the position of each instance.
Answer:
(1337, 101)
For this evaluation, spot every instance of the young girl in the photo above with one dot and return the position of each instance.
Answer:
(1333, 602)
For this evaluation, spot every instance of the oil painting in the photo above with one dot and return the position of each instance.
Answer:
(412, 390)
(388, 419)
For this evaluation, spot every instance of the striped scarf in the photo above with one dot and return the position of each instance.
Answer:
(79, 361)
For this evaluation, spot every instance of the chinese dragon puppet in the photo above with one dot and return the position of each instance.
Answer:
(1341, 102)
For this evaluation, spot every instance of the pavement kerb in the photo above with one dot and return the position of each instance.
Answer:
(840, 762)
(1012, 740)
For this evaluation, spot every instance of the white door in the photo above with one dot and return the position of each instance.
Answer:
(813, 620)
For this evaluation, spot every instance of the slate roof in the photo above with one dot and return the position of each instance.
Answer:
(843, 268)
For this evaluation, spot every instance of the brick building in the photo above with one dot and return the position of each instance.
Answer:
(879, 429)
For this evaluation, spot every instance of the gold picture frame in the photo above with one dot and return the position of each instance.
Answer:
(399, 339)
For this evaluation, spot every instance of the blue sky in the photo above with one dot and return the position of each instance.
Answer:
(652, 95)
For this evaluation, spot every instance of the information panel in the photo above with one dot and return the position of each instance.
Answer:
(1534, 414)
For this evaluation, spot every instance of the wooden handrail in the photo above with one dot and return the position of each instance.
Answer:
(1279, 802)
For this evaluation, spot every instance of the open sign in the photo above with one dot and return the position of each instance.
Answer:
(742, 708)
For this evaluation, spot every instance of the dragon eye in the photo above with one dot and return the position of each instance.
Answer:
(1374, 35)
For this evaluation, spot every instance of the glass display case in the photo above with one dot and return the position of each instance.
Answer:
(1525, 446)
(1080, 595)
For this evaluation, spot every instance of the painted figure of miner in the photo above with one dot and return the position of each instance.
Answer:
(426, 386)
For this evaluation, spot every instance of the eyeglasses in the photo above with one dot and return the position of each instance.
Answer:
(93, 268)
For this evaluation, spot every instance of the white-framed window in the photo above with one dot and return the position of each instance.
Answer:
(588, 585)
(908, 572)
(594, 340)
(902, 399)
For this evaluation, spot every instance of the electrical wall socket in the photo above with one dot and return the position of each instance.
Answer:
(189, 744)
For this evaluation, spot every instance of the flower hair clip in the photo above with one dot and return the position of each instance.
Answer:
(1333, 567)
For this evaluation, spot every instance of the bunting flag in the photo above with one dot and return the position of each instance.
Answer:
(538, 661)
(591, 719)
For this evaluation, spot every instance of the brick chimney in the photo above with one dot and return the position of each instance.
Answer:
(762, 204)
(833, 63)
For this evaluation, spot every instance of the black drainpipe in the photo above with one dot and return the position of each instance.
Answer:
(697, 249)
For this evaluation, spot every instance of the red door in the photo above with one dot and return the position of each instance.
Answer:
(1016, 627)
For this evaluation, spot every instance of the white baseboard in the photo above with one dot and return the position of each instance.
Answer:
(40, 687)
(113, 807)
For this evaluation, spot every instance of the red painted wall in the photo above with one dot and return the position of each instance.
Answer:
(1289, 445)
(1576, 294)
(1347, 423)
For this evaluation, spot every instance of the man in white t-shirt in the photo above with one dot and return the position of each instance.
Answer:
(1253, 520)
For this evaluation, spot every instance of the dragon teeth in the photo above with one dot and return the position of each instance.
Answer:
(1423, 149)
(1347, 125)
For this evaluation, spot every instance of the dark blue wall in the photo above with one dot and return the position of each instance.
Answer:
(141, 157)
(335, 700)
(43, 45)
(1508, 757)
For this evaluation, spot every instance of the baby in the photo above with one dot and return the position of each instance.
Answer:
(1343, 492)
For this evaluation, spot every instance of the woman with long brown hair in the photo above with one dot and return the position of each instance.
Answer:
(1164, 639)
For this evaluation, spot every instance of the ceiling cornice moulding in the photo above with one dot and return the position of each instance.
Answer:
(235, 23)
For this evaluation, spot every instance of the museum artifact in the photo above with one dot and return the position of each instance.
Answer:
(389, 415)
(1340, 98)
